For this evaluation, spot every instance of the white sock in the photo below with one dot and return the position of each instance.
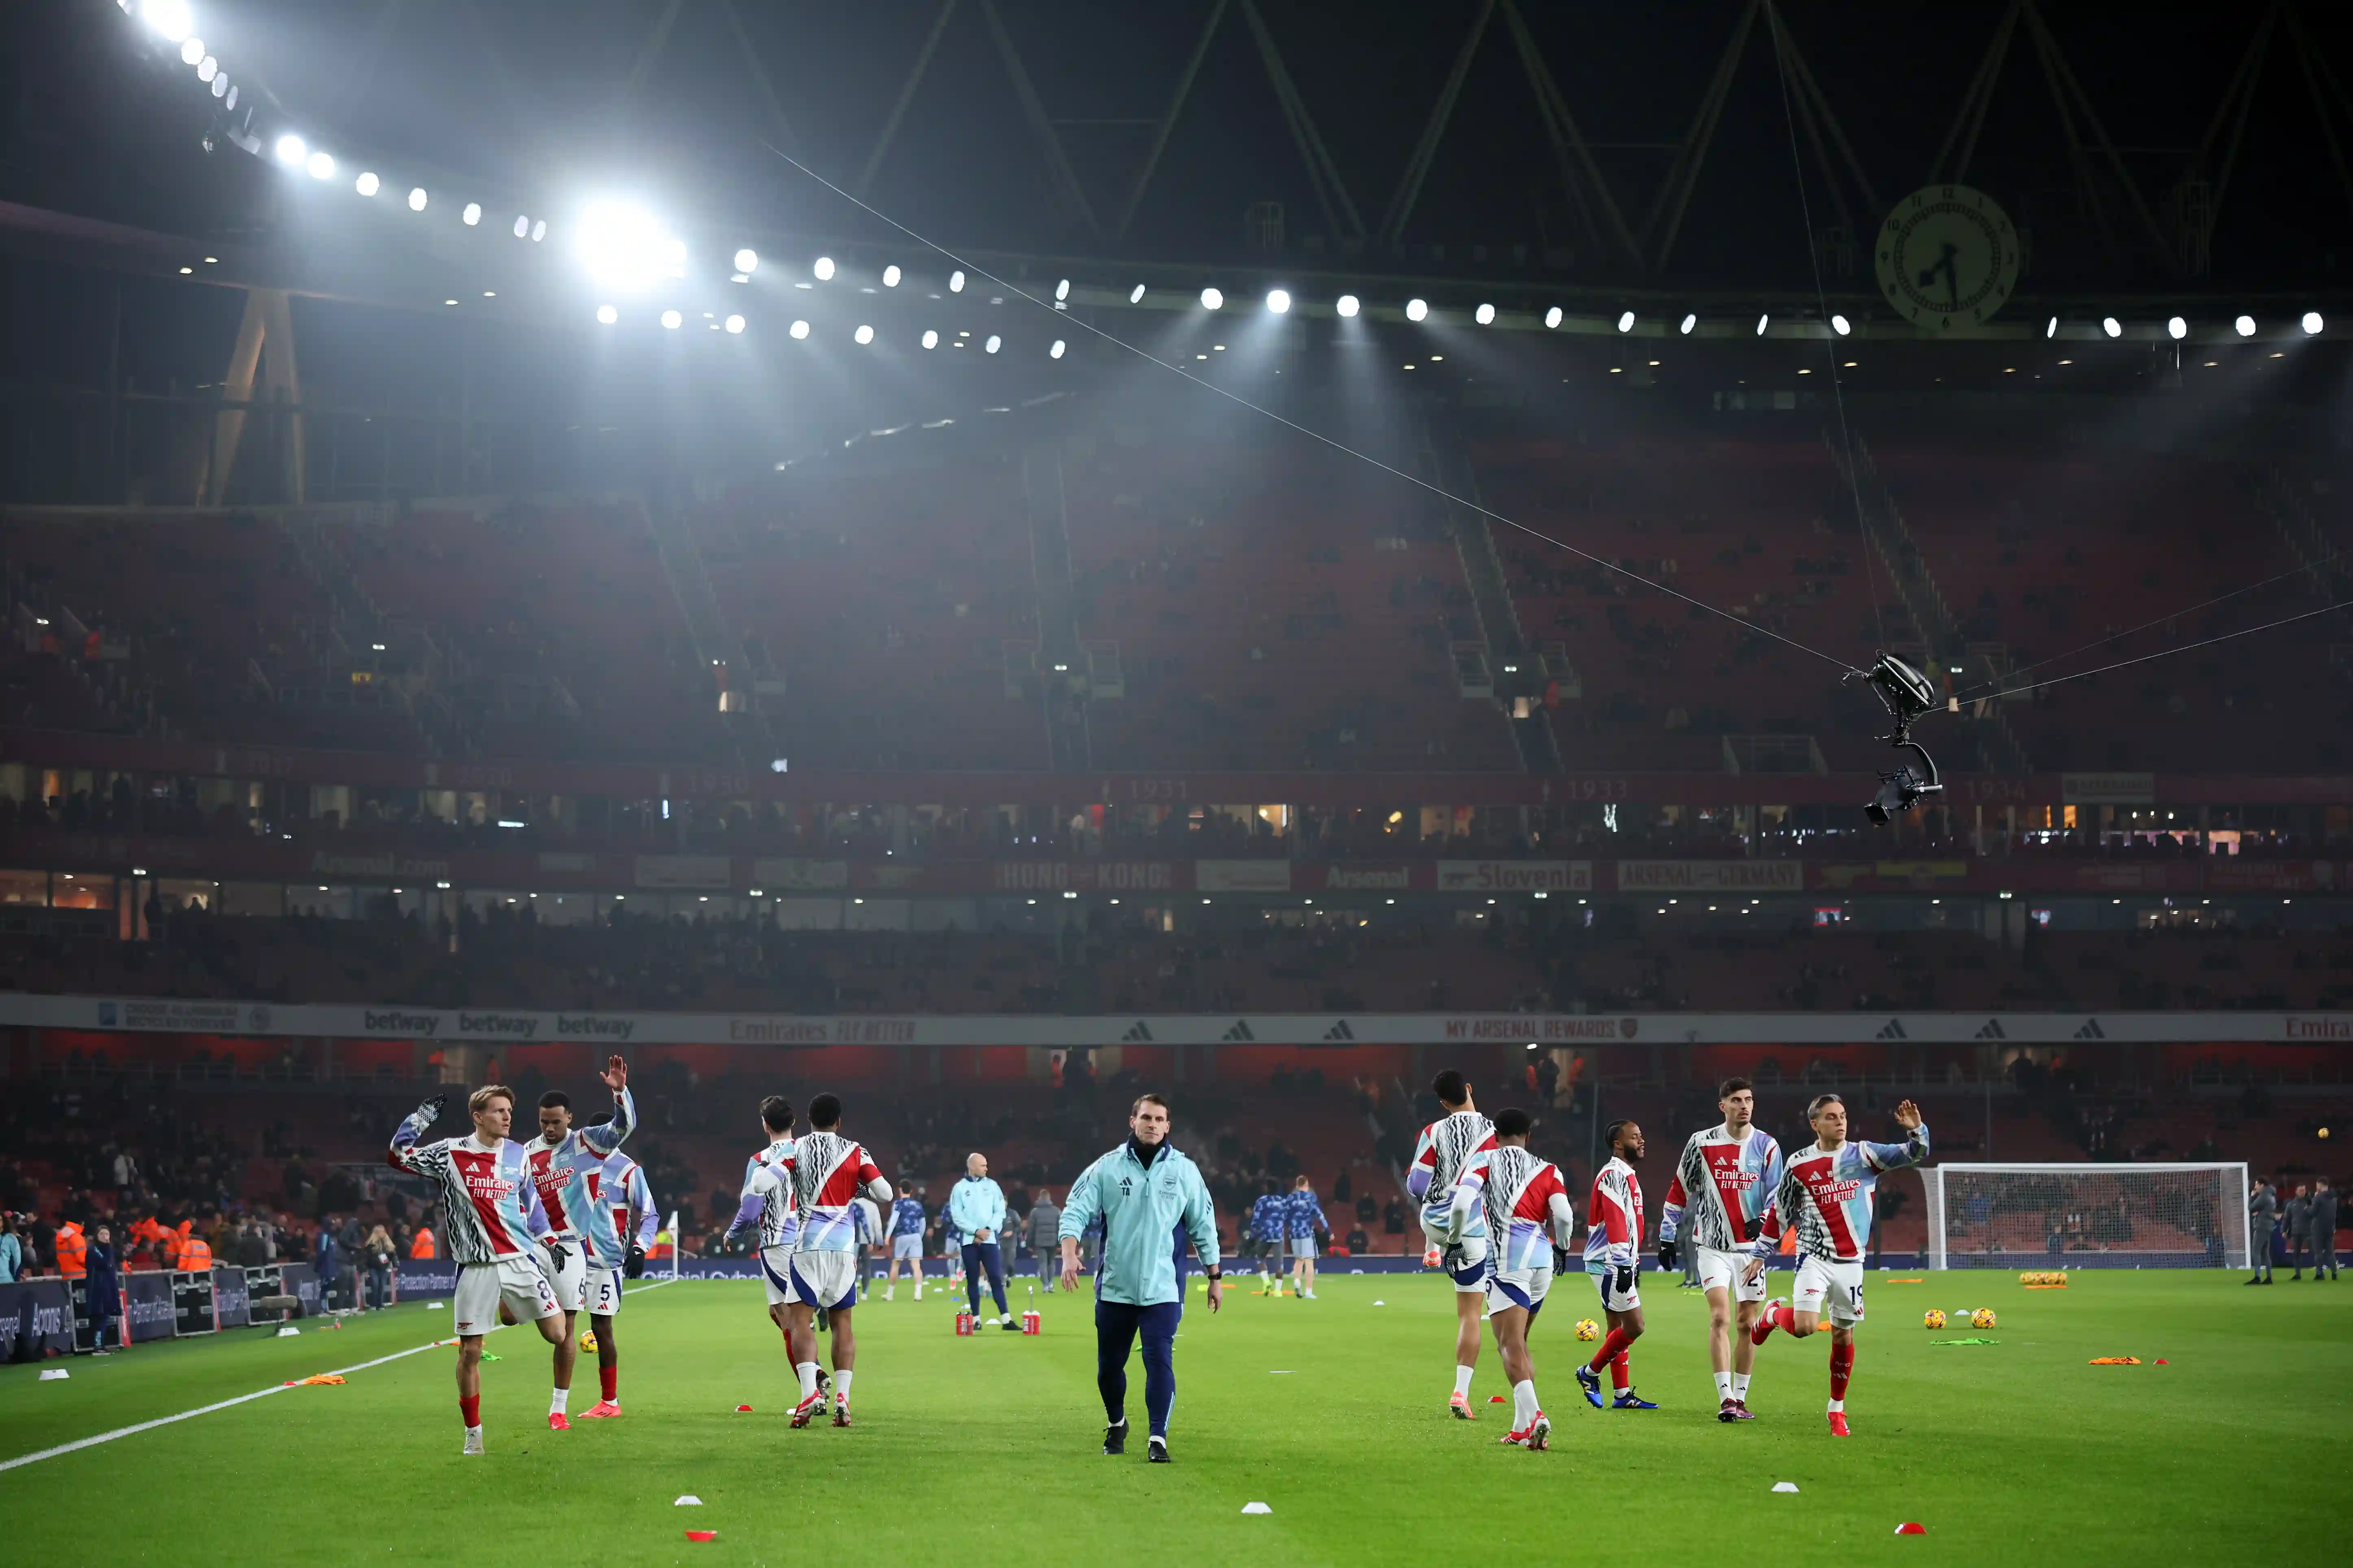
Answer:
(1523, 1402)
(890, 1291)
(557, 1401)
(1462, 1381)
(807, 1371)
(918, 1287)
(1740, 1386)
(473, 1431)
(841, 1386)
(1723, 1386)
(1838, 1407)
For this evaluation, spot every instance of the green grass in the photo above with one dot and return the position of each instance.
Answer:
(983, 1451)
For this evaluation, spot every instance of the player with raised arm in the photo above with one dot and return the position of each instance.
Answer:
(828, 1171)
(1529, 1218)
(1450, 1167)
(1613, 1256)
(906, 1225)
(767, 1201)
(1715, 1206)
(1826, 1196)
(564, 1163)
(492, 1218)
(620, 1188)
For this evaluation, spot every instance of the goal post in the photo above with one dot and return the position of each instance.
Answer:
(2087, 1215)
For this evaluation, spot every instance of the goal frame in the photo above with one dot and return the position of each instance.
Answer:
(2230, 1173)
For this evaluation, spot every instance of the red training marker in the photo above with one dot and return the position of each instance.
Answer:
(2161, 1360)
(702, 1535)
(1496, 1399)
(1909, 1529)
(742, 1410)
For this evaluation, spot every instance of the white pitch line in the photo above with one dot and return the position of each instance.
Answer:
(81, 1443)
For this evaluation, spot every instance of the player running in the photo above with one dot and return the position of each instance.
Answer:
(1264, 1234)
(768, 1203)
(1826, 1196)
(827, 1172)
(1613, 1256)
(1450, 1166)
(620, 1188)
(1721, 1186)
(1528, 1217)
(493, 1215)
(564, 1163)
(906, 1242)
(1302, 1217)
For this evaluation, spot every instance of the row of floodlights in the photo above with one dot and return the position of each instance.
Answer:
(610, 315)
(2177, 328)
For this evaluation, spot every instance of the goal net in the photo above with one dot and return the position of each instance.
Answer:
(2087, 1217)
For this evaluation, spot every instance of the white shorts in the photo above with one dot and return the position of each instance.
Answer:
(1303, 1247)
(518, 1281)
(1519, 1288)
(1832, 1290)
(776, 1274)
(1726, 1271)
(571, 1280)
(825, 1280)
(908, 1246)
(603, 1292)
(1465, 1263)
(1610, 1300)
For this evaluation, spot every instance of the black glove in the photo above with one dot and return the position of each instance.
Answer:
(1666, 1255)
(1756, 1228)
(633, 1266)
(1624, 1282)
(430, 1112)
(734, 1233)
(557, 1255)
(1560, 1260)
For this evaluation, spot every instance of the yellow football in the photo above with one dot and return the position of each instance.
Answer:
(1932, 1319)
(1586, 1329)
(588, 1339)
(1982, 1318)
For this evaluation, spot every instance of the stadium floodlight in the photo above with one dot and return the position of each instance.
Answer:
(891, 275)
(1063, 288)
(207, 68)
(321, 167)
(624, 245)
(417, 199)
(1691, 320)
(1135, 295)
(538, 231)
(231, 104)
(956, 281)
(1347, 306)
(1485, 315)
(1553, 319)
(994, 343)
(2176, 327)
(170, 18)
(1056, 351)
(800, 328)
(192, 50)
(747, 260)
(367, 185)
(292, 151)
(473, 214)
(1841, 325)
(2050, 329)
(1278, 301)
(673, 319)
(863, 335)
(1626, 320)
(1416, 309)
(735, 325)
(931, 338)
(220, 85)
(2109, 325)
(1762, 321)
(2246, 325)
(1212, 300)
(823, 269)
(608, 314)
(2312, 323)
(521, 226)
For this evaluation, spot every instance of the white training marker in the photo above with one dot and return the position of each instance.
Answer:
(1785, 1485)
(436, 1306)
(691, 1500)
(55, 1375)
(1283, 1372)
(1380, 1303)
(286, 1331)
(1256, 1507)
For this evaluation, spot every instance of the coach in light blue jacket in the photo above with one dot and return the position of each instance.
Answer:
(977, 1209)
(1142, 1189)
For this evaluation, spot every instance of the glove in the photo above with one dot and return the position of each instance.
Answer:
(1666, 1255)
(1756, 1228)
(734, 1233)
(1560, 1260)
(633, 1266)
(558, 1256)
(1624, 1281)
(430, 1112)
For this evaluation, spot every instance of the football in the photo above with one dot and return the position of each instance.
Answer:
(588, 1339)
(1586, 1329)
(1982, 1318)
(1933, 1318)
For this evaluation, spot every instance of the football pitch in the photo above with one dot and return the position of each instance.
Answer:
(985, 1450)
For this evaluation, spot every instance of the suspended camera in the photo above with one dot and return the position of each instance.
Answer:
(1907, 695)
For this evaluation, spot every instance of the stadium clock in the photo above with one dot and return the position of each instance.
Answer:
(1947, 257)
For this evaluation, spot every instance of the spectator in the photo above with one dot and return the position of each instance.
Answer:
(2263, 1218)
(2296, 1216)
(327, 1258)
(376, 1254)
(420, 1245)
(12, 1251)
(103, 1290)
(2324, 1229)
(1045, 1227)
(1358, 1242)
(1393, 1219)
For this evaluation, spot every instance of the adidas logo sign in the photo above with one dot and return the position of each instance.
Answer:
(1240, 1031)
(1340, 1031)
(2091, 1031)
(1992, 1030)
(1137, 1034)
(1891, 1030)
